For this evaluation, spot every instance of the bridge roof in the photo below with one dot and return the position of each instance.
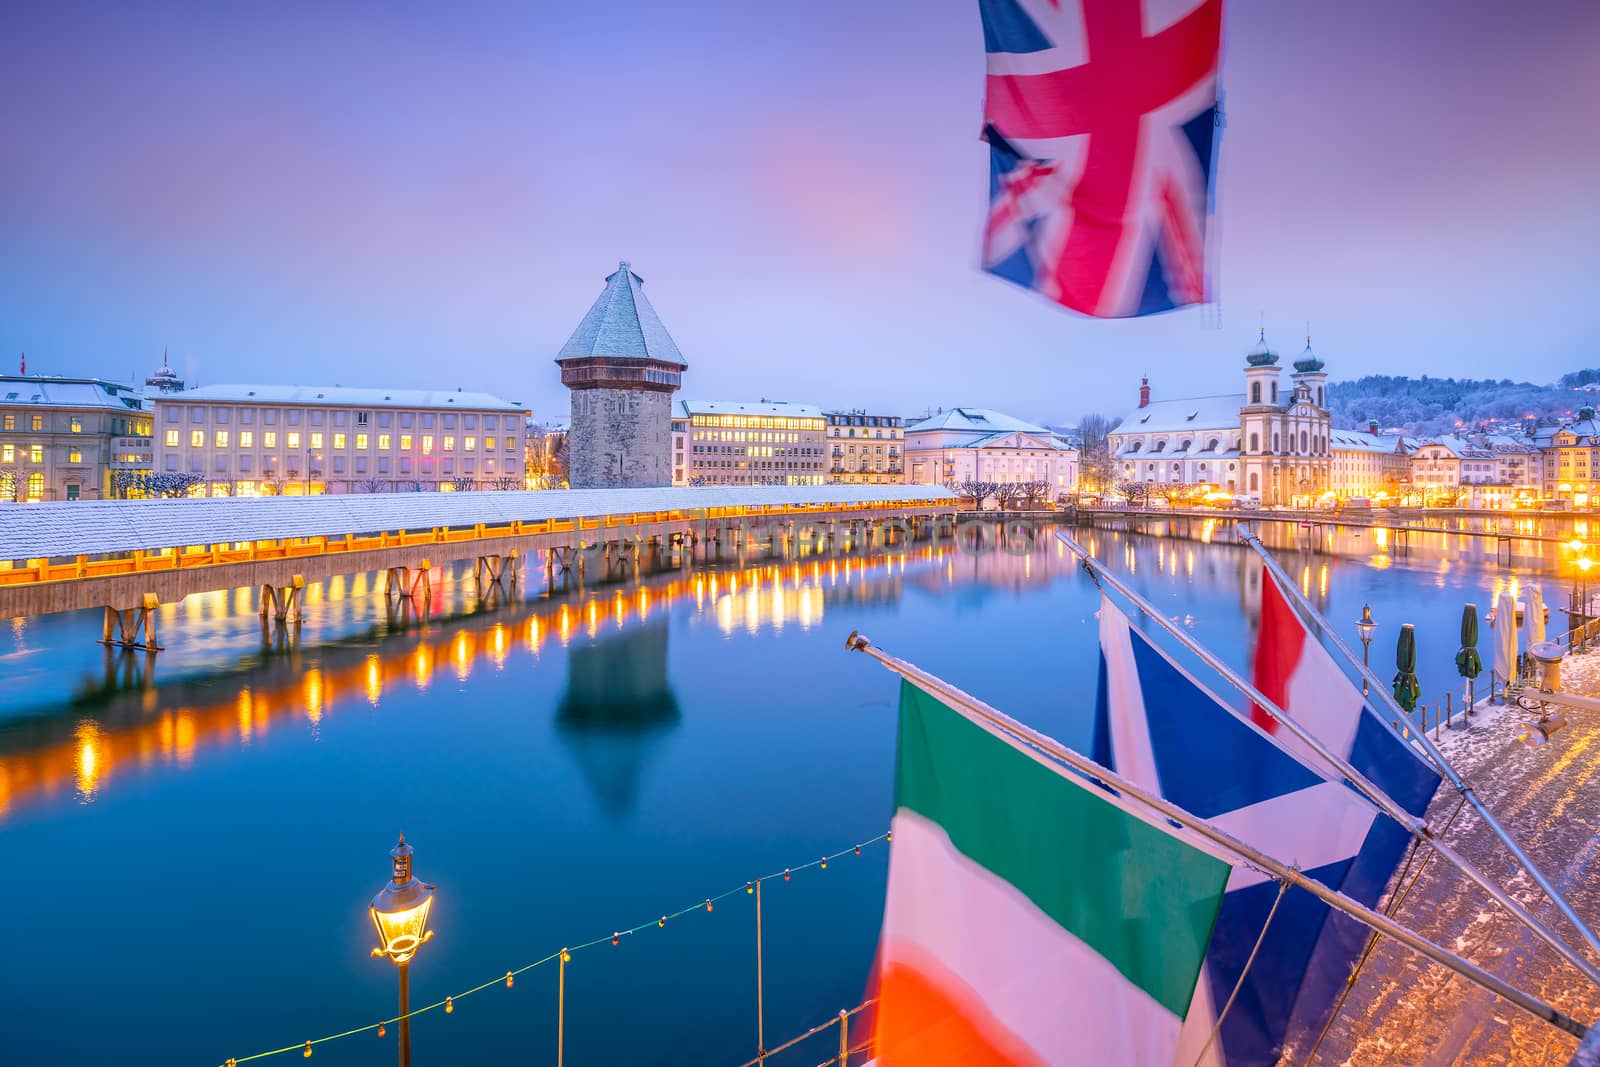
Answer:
(95, 527)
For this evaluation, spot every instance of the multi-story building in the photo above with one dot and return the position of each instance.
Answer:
(1571, 459)
(1267, 443)
(1450, 470)
(976, 444)
(865, 449)
(718, 442)
(1370, 464)
(262, 440)
(68, 438)
(1518, 464)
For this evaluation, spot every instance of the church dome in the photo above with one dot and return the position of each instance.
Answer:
(1308, 361)
(1261, 355)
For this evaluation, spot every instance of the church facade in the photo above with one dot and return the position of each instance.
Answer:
(1271, 443)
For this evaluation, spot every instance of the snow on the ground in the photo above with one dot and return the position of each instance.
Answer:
(1405, 1010)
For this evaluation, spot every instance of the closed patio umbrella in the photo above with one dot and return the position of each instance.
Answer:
(1505, 638)
(1406, 688)
(1468, 663)
(1533, 617)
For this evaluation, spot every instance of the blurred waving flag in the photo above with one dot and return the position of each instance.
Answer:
(1101, 118)
(1032, 917)
(1160, 728)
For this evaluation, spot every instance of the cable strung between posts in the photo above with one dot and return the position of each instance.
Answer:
(448, 1003)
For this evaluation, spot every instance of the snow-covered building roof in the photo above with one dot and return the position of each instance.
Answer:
(683, 409)
(621, 322)
(339, 396)
(1362, 441)
(1220, 412)
(92, 527)
(46, 391)
(1458, 447)
(975, 420)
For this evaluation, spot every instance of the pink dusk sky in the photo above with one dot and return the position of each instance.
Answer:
(364, 194)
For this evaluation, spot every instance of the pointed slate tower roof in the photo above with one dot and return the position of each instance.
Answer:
(622, 323)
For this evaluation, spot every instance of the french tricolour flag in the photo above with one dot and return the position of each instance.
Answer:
(1162, 728)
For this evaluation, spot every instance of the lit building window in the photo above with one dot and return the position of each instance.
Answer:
(294, 438)
(197, 438)
(36, 422)
(488, 444)
(35, 487)
(427, 444)
(222, 438)
(450, 443)
(316, 439)
(75, 456)
(338, 440)
(405, 442)
(247, 438)
(361, 441)
(8, 453)
(269, 438)
(383, 442)
(470, 443)
(77, 424)
(36, 453)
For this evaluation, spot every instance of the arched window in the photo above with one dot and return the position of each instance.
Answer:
(1255, 482)
(1303, 443)
(1185, 446)
(1136, 446)
(1275, 446)
(35, 487)
(1161, 446)
(1320, 402)
(1211, 446)
(1255, 392)
(1274, 392)
(1255, 443)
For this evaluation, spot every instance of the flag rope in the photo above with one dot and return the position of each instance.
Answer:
(1292, 592)
(1391, 909)
(1216, 1028)
(1003, 724)
(448, 1003)
(1385, 804)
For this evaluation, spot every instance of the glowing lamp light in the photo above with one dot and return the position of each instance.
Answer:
(400, 910)
(1365, 626)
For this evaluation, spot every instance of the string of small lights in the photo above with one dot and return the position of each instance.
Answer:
(564, 955)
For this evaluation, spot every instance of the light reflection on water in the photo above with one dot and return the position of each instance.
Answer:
(566, 760)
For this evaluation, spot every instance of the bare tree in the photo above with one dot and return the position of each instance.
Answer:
(413, 486)
(1133, 492)
(370, 485)
(1094, 457)
(272, 484)
(11, 485)
(975, 490)
(1008, 493)
(463, 483)
(1033, 492)
(506, 483)
(171, 486)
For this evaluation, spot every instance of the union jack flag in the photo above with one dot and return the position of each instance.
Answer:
(1101, 118)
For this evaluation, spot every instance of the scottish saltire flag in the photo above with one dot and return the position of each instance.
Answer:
(1157, 726)
(1101, 117)
(1031, 917)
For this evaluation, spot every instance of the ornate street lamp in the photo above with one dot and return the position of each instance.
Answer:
(1366, 628)
(400, 913)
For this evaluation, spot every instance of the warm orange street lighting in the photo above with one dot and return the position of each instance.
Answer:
(400, 913)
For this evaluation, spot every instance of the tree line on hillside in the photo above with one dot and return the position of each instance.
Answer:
(1428, 406)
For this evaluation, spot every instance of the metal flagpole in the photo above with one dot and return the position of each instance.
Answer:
(1373, 920)
(1384, 803)
(1428, 747)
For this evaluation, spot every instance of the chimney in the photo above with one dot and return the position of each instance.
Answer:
(1372, 427)
(1144, 392)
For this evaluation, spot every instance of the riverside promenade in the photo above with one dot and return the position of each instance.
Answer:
(1404, 1010)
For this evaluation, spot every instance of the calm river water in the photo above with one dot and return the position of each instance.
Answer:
(188, 847)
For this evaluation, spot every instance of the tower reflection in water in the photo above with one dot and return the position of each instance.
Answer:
(618, 706)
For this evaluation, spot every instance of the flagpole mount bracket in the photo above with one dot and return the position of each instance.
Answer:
(857, 642)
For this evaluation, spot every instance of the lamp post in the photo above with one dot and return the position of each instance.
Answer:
(1366, 628)
(400, 913)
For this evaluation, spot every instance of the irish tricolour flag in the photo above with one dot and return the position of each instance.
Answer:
(1033, 917)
